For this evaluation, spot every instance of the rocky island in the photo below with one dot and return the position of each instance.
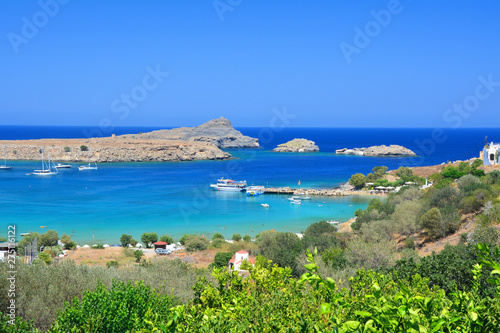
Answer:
(180, 144)
(219, 132)
(383, 150)
(297, 146)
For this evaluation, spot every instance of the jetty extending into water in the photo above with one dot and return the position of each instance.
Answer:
(297, 191)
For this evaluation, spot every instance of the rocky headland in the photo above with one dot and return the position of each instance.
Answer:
(113, 149)
(297, 146)
(180, 144)
(219, 132)
(392, 150)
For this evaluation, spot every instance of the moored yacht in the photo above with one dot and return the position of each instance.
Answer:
(229, 185)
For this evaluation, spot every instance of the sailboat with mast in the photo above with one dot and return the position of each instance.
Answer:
(48, 168)
(4, 166)
(89, 166)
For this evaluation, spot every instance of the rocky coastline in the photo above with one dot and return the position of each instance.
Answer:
(378, 151)
(297, 146)
(112, 149)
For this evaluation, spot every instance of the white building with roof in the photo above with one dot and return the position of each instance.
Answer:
(490, 154)
(238, 258)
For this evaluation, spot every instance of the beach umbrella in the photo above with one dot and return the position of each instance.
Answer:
(409, 183)
(85, 245)
(138, 245)
(105, 245)
(390, 188)
(380, 188)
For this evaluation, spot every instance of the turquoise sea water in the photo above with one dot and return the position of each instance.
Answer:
(175, 198)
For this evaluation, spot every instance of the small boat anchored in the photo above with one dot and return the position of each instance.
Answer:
(62, 166)
(88, 166)
(48, 168)
(265, 205)
(4, 166)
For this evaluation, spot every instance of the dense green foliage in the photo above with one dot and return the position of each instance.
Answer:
(196, 243)
(122, 308)
(221, 259)
(42, 290)
(148, 238)
(218, 235)
(358, 180)
(127, 240)
(236, 237)
(271, 300)
(167, 239)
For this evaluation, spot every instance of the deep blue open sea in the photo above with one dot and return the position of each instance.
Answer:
(175, 198)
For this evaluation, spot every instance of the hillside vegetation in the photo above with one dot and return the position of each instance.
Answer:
(371, 280)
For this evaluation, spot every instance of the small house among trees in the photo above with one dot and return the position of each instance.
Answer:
(238, 259)
(160, 245)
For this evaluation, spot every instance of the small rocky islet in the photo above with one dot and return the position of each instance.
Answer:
(377, 151)
(297, 146)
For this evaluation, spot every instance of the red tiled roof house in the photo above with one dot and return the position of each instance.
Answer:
(239, 257)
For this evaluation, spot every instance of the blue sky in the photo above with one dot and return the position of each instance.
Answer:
(329, 63)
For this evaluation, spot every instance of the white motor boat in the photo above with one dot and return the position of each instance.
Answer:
(88, 167)
(230, 185)
(62, 166)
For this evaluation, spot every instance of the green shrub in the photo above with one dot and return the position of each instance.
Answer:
(67, 149)
(112, 263)
(221, 259)
(218, 235)
(247, 238)
(45, 257)
(246, 265)
(358, 180)
(236, 237)
(125, 240)
(138, 255)
(84, 148)
(197, 243)
(409, 243)
(184, 238)
(98, 246)
(49, 238)
(167, 239)
(217, 243)
(123, 308)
